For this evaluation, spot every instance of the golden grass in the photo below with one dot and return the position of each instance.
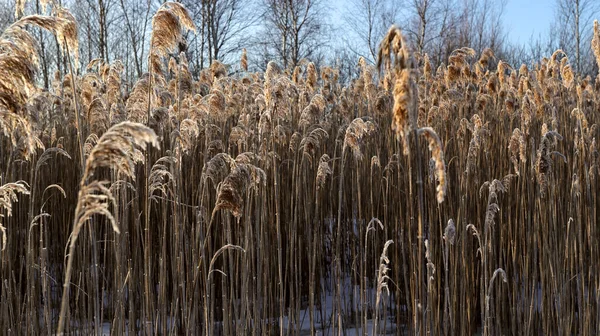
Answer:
(183, 168)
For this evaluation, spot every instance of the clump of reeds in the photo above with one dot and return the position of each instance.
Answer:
(394, 46)
(244, 60)
(116, 149)
(596, 42)
(231, 191)
(323, 171)
(382, 282)
(517, 149)
(291, 132)
(543, 163)
(437, 153)
(8, 195)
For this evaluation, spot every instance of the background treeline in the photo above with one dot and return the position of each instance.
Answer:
(455, 200)
(289, 31)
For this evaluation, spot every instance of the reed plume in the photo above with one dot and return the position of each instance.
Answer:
(405, 91)
(8, 195)
(450, 232)
(115, 150)
(596, 42)
(244, 60)
(517, 148)
(18, 55)
(382, 282)
(323, 171)
(355, 132)
(231, 191)
(311, 142)
(311, 76)
(543, 164)
(167, 26)
(161, 179)
(435, 146)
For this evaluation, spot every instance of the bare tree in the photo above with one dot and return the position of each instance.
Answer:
(481, 24)
(573, 27)
(225, 20)
(293, 29)
(425, 13)
(136, 18)
(367, 21)
(6, 14)
(95, 18)
(222, 27)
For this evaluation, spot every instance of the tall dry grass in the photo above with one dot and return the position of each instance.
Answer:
(269, 201)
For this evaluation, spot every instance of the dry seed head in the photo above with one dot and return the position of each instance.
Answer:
(435, 146)
(166, 32)
(427, 68)
(244, 60)
(523, 70)
(554, 58)
(238, 136)
(296, 75)
(323, 171)
(311, 142)
(311, 76)
(567, 75)
(234, 186)
(450, 232)
(543, 164)
(295, 141)
(8, 195)
(375, 163)
(493, 84)
(372, 226)
(517, 149)
(355, 132)
(116, 147)
(452, 74)
(405, 105)
(491, 284)
(382, 271)
(161, 179)
(393, 44)
(527, 108)
(181, 12)
(576, 113)
(493, 187)
(94, 199)
(477, 235)
(62, 25)
(458, 60)
(18, 59)
(16, 84)
(486, 56)
(218, 69)
(97, 116)
(596, 42)
(466, 51)
(309, 115)
(217, 168)
(67, 32)
(479, 135)
(232, 189)
(172, 67)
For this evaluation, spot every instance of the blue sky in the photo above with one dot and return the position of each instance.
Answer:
(522, 18)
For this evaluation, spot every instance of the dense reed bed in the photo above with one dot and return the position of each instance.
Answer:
(456, 200)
